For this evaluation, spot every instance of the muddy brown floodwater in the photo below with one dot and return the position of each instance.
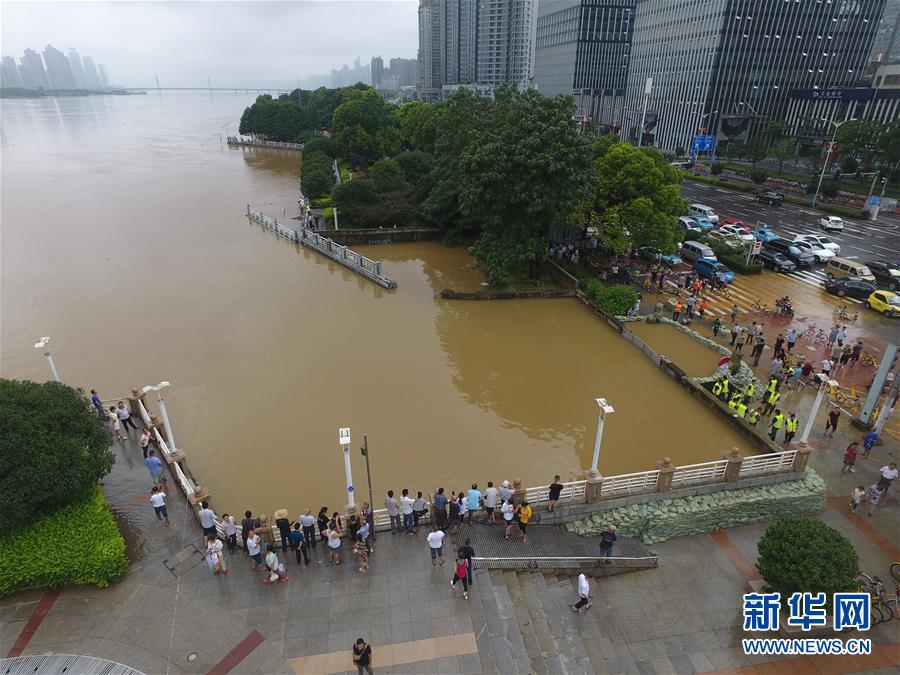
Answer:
(692, 356)
(123, 238)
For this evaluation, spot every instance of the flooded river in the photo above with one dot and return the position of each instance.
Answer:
(123, 238)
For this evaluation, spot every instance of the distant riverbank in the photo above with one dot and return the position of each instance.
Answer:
(20, 92)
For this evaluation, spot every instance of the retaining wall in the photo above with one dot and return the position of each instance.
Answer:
(367, 237)
(448, 294)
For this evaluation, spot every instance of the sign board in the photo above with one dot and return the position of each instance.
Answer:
(860, 94)
(873, 200)
(344, 436)
(757, 247)
(702, 143)
(830, 146)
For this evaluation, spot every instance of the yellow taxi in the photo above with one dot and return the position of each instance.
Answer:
(885, 302)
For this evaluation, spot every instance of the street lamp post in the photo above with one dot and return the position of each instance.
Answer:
(44, 344)
(605, 409)
(162, 411)
(807, 429)
(344, 441)
(365, 453)
(828, 156)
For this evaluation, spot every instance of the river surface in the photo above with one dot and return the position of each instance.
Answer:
(123, 238)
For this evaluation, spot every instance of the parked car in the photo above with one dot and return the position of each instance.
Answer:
(695, 250)
(651, 253)
(765, 234)
(887, 275)
(702, 223)
(770, 197)
(688, 224)
(710, 269)
(842, 268)
(735, 221)
(776, 261)
(853, 288)
(820, 239)
(816, 250)
(703, 211)
(882, 301)
(831, 223)
(800, 258)
(737, 231)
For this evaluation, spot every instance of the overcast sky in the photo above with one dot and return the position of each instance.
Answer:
(235, 43)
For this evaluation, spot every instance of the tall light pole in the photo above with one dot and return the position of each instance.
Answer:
(605, 409)
(162, 410)
(648, 88)
(837, 125)
(344, 441)
(365, 453)
(807, 428)
(44, 344)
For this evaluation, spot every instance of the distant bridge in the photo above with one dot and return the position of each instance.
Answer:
(245, 90)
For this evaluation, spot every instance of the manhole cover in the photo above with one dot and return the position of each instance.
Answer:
(186, 559)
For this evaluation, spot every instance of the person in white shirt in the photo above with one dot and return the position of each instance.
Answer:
(505, 491)
(214, 554)
(436, 544)
(308, 523)
(253, 548)
(508, 511)
(158, 499)
(229, 528)
(584, 594)
(207, 519)
(888, 476)
(491, 496)
(856, 497)
(406, 508)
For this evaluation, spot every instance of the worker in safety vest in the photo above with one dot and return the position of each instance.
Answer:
(771, 401)
(741, 409)
(717, 389)
(776, 424)
(749, 390)
(791, 424)
(754, 415)
(735, 399)
(725, 387)
(772, 387)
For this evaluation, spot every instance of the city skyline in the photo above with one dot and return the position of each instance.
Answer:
(55, 71)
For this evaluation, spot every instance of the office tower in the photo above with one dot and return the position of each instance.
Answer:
(405, 70)
(9, 74)
(77, 69)
(429, 80)
(104, 78)
(32, 70)
(728, 67)
(59, 72)
(377, 68)
(581, 48)
(458, 37)
(91, 79)
(886, 46)
(505, 43)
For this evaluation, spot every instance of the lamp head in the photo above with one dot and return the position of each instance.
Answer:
(604, 406)
(42, 343)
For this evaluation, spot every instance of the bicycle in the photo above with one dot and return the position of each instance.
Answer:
(724, 292)
(840, 314)
(850, 401)
(811, 331)
(884, 605)
(764, 308)
(868, 360)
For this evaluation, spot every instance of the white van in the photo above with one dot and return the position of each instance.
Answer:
(692, 250)
(704, 212)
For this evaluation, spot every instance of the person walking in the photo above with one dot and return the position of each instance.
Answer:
(435, 540)
(523, 515)
(850, 458)
(702, 307)
(158, 500)
(790, 427)
(362, 657)
(735, 331)
(607, 540)
(888, 476)
(214, 556)
(759, 343)
(97, 403)
(868, 443)
(298, 543)
(856, 352)
(771, 401)
(393, 510)
(155, 467)
(247, 525)
(115, 423)
(207, 519)
(491, 499)
(859, 492)
(555, 491)
(791, 340)
(873, 496)
(779, 346)
(777, 363)
(274, 569)
(362, 556)
(677, 311)
(283, 523)
(717, 326)
(831, 423)
(734, 312)
(776, 424)
(841, 336)
(124, 416)
(406, 508)
(832, 337)
(229, 529)
(468, 552)
(322, 523)
(741, 341)
(461, 573)
(584, 594)
(508, 511)
(254, 548)
(308, 523)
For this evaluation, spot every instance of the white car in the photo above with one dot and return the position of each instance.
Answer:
(725, 238)
(737, 232)
(821, 239)
(831, 223)
(816, 250)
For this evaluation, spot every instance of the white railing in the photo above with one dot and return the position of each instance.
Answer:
(777, 462)
(630, 483)
(705, 472)
(571, 492)
(234, 140)
(186, 484)
(160, 441)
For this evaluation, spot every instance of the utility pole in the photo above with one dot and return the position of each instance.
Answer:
(648, 87)
(365, 453)
(828, 156)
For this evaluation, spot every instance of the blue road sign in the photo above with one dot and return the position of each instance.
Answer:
(702, 143)
(873, 200)
(350, 488)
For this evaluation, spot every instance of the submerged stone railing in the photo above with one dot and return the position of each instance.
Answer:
(236, 140)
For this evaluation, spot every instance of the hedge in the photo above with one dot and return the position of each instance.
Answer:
(321, 203)
(78, 544)
(616, 299)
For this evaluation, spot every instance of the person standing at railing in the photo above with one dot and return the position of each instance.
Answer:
(264, 530)
(474, 501)
(322, 523)
(607, 540)
(145, 441)
(555, 491)
(298, 542)
(97, 403)
(284, 528)
(207, 519)
(229, 529)
(308, 523)
(419, 509)
(393, 510)
(505, 491)
(491, 499)
(247, 525)
(509, 512)
(439, 504)
(155, 467)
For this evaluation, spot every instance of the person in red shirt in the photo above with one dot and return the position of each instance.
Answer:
(831, 422)
(850, 458)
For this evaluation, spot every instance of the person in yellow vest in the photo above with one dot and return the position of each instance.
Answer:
(754, 415)
(771, 401)
(749, 390)
(736, 398)
(776, 424)
(524, 513)
(790, 427)
(725, 387)
(741, 409)
(772, 386)
(717, 389)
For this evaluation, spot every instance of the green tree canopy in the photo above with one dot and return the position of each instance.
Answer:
(388, 175)
(323, 144)
(360, 204)
(419, 124)
(756, 150)
(782, 150)
(416, 165)
(316, 174)
(54, 450)
(364, 126)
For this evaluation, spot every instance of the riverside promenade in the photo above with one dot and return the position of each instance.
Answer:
(170, 614)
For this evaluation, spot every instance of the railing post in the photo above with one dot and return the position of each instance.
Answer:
(593, 487)
(664, 480)
(733, 468)
(377, 267)
(800, 459)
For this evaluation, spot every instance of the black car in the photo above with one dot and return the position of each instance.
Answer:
(854, 288)
(776, 261)
(790, 251)
(769, 197)
(886, 274)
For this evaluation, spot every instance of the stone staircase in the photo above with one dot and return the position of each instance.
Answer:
(523, 624)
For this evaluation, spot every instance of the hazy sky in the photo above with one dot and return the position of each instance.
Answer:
(232, 42)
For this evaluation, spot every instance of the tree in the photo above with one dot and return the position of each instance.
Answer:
(317, 174)
(388, 175)
(55, 449)
(735, 149)
(802, 555)
(756, 150)
(323, 144)
(419, 124)
(416, 165)
(364, 126)
(679, 151)
(775, 131)
(758, 176)
(603, 144)
(782, 150)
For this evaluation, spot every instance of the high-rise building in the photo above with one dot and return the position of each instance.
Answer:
(458, 36)
(886, 46)
(405, 70)
(429, 80)
(377, 68)
(581, 48)
(59, 71)
(32, 71)
(9, 74)
(505, 44)
(77, 69)
(104, 78)
(91, 79)
(728, 67)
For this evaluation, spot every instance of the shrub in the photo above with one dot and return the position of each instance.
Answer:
(802, 555)
(54, 450)
(831, 188)
(323, 144)
(616, 299)
(78, 544)
(849, 165)
(388, 175)
(317, 175)
(416, 165)
(679, 151)
(716, 169)
(758, 176)
(321, 203)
